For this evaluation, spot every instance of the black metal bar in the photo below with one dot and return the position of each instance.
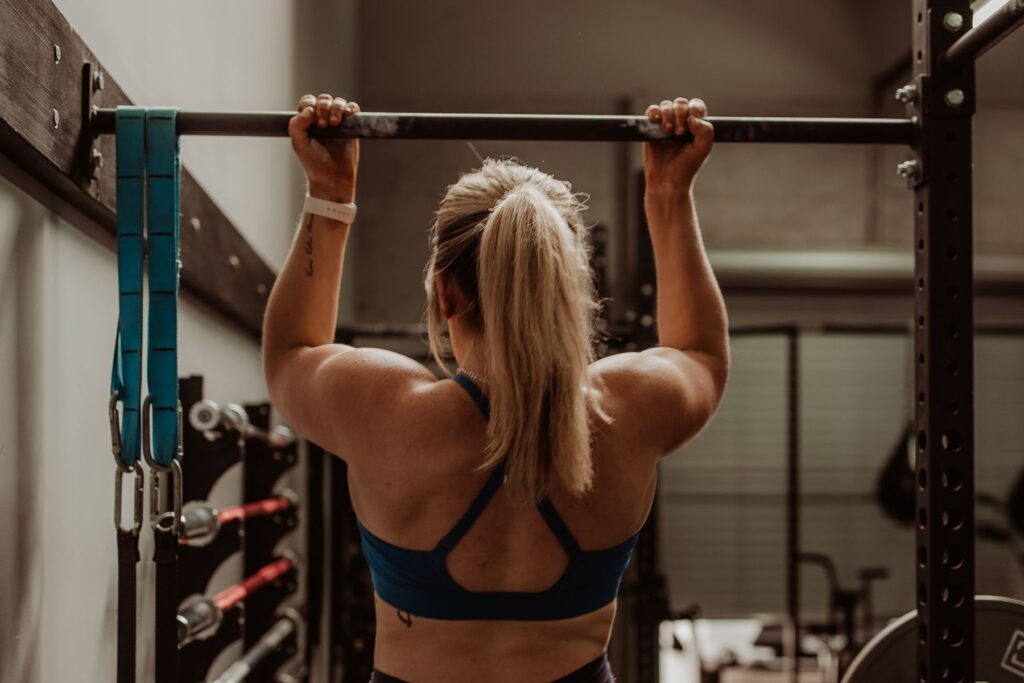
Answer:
(985, 36)
(944, 353)
(792, 632)
(405, 126)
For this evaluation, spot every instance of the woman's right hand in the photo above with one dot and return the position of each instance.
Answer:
(671, 165)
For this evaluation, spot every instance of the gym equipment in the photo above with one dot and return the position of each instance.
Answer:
(201, 616)
(267, 644)
(200, 521)
(890, 656)
(126, 378)
(211, 534)
(208, 415)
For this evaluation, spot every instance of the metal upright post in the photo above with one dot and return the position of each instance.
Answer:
(943, 102)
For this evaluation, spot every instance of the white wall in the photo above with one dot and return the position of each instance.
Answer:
(58, 312)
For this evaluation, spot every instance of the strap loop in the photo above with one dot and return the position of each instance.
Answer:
(138, 488)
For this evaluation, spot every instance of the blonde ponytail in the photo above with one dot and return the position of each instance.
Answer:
(513, 239)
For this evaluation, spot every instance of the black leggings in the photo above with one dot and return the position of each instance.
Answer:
(597, 671)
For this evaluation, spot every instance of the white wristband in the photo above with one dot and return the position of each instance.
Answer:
(344, 213)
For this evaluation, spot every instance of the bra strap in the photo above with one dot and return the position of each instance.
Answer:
(460, 529)
(474, 393)
(557, 526)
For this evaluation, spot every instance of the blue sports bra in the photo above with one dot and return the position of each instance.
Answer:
(418, 582)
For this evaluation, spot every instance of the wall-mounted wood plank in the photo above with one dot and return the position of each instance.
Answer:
(42, 63)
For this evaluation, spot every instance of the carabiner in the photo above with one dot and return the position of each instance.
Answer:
(115, 432)
(139, 488)
(173, 471)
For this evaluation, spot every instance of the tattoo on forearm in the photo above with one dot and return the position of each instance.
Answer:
(405, 618)
(309, 247)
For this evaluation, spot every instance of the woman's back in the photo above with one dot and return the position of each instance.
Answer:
(421, 482)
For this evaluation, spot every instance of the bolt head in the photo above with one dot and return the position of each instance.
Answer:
(196, 224)
(955, 97)
(953, 21)
(906, 94)
(234, 262)
(56, 118)
(98, 81)
(908, 169)
(56, 54)
(97, 163)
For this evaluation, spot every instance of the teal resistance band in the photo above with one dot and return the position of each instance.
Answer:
(162, 449)
(162, 212)
(126, 374)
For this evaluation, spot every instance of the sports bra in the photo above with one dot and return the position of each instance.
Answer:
(418, 582)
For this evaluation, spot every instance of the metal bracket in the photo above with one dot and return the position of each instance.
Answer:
(90, 161)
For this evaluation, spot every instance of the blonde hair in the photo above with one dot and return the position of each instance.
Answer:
(513, 240)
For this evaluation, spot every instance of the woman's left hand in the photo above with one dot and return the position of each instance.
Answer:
(330, 164)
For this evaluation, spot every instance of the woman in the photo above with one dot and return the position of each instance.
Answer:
(499, 510)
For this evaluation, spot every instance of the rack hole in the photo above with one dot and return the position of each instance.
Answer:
(922, 518)
(952, 441)
(923, 632)
(950, 138)
(953, 408)
(920, 321)
(952, 253)
(952, 215)
(922, 595)
(920, 397)
(922, 479)
(952, 292)
(920, 283)
(952, 479)
(922, 556)
(920, 245)
(920, 359)
(952, 176)
(952, 518)
(953, 635)
(920, 208)
(954, 596)
(920, 55)
(954, 332)
(952, 369)
(922, 440)
(952, 558)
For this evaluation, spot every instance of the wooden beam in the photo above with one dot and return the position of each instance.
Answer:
(43, 130)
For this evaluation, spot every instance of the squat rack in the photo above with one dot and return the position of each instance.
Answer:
(63, 155)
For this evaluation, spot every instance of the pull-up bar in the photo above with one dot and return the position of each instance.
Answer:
(984, 36)
(403, 126)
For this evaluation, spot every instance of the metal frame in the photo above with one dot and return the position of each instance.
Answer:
(943, 100)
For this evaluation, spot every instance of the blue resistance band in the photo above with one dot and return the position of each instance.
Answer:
(126, 374)
(162, 212)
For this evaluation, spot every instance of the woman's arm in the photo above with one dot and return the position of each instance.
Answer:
(691, 311)
(303, 307)
(675, 387)
(324, 389)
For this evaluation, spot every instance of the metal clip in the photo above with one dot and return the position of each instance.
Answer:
(115, 432)
(174, 471)
(139, 488)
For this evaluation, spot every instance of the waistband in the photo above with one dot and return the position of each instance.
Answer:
(597, 671)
